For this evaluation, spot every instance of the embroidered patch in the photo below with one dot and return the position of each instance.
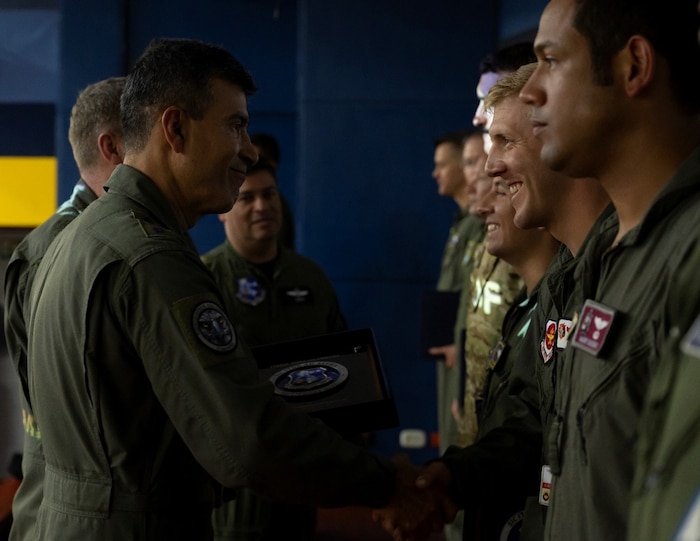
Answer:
(250, 292)
(511, 530)
(213, 328)
(690, 345)
(594, 327)
(547, 343)
(563, 331)
(297, 295)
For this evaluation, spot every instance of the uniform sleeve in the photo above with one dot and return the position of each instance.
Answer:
(14, 325)
(507, 455)
(233, 424)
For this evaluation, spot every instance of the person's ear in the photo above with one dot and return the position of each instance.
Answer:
(639, 64)
(173, 123)
(109, 147)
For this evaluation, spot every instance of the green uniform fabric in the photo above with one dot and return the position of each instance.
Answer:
(558, 300)
(144, 394)
(499, 514)
(454, 268)
(19, 276)
(297, 301)
(458, 259)
(599, 397)
(666, 491)
(457, 264)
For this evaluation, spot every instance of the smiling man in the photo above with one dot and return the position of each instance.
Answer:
(273, 294)
(140, 384)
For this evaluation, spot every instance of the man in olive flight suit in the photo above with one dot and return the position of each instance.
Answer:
(95, 136)
(273, 294)
(618, 85)
(138, 380)
(666, 490)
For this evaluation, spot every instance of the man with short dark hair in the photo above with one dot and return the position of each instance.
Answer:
(613, 99)
(274, 294)
(139, 382)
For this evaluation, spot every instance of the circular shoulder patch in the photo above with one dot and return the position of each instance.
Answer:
(213, 328)
(511, 530)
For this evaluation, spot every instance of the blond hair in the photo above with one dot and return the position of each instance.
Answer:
(509, 85)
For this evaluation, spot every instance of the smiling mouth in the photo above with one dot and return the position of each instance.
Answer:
(491, 227)
(514, 188)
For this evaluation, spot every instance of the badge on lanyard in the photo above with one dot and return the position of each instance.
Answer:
(545, 485)
(563, 331)
(547, 343)
(690, 345)
(495, 353)
(594, 327)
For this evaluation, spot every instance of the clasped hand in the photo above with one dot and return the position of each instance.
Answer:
(420, 505)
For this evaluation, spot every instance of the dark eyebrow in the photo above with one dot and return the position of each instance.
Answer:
(244, 119)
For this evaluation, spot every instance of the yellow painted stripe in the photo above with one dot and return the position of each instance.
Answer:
(28, 190)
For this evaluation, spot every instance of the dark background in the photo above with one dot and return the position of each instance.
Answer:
(355, 91)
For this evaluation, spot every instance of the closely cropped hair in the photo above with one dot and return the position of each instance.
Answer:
(671, 27)
(269, 147)
(96, 110)
(263, 164)
(455, 138)
(175, 72)
(509, 85)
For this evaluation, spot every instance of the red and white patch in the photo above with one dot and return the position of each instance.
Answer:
(547, 343)
(563, 331)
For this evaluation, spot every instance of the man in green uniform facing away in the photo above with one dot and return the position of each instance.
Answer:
(140, 385)
(273, 294)
(95, 136)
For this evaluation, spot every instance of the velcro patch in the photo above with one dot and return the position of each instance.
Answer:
(206, 327)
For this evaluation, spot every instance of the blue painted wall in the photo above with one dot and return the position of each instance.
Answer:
(355, 91)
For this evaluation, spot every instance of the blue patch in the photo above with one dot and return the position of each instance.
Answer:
(250, 292)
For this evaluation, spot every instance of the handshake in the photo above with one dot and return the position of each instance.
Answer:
(420, 505)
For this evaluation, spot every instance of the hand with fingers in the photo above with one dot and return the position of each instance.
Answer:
(420, 505)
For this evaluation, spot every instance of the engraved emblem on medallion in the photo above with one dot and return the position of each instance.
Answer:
(309, 378)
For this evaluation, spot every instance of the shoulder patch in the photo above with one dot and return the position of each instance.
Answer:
(213, 328)
(207, 329)
(511, 529)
